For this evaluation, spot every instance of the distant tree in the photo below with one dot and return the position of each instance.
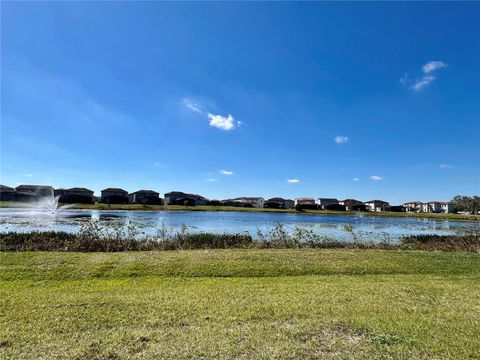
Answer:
(476, 204)
(466, 203)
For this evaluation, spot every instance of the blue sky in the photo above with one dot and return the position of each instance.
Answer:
(363, 100)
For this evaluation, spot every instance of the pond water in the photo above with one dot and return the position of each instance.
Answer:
(366, 227)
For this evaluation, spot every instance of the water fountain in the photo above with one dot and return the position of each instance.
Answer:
(49, 205)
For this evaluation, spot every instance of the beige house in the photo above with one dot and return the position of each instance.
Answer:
(437, 207)
(376, 205)
(413, 206)
(305, 201)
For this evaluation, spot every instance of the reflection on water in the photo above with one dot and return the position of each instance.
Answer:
(366, 227)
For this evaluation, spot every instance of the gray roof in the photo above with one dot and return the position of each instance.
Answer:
(196, 196)
(146, 191)
(352, 201)
(77, 189)
(34, 187)
(248, 198)
(4, 188)
(114, 190)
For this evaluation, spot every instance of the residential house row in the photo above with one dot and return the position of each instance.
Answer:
(121, 196)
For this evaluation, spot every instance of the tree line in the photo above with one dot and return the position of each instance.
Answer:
(466, 203)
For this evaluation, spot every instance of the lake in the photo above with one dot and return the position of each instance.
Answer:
(366, 227)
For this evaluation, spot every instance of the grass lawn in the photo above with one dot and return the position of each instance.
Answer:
(246, 304)
(140, 207)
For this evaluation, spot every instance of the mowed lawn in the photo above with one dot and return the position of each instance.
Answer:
(241, 304)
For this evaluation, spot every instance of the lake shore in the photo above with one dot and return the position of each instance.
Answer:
(97, 239)
(139, 207)
(243, 303)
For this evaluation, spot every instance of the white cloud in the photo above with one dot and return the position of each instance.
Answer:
(223, 122)
(227, 122)
(433, 66)
(226, 172)
(428, 71)
(356, 179)
(293, 181)
(445, 166)
(341, 139)
(376, 178)
(28, 175)
(192, 105)
(212, 180)
(422, 83)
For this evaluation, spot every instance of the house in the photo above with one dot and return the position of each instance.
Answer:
(228, 202)
(10, 194)
(327, 203)
(114, 196)
(145, 197)
(413, 206)
(305, 203)
(7, 193)
(59, 193)
(39, 190)
(181, 198)
(279, 203)
(431, 207)
(289, 204)
(250, 201)
(447, 207)
(437, 207)
(376, 205)
(395, 208)
(353, 205)
(75, 195)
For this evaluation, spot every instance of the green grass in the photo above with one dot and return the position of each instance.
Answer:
(140, 207)
(251, 304)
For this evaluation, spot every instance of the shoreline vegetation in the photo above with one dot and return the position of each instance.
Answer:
(141, 207)
(117, 237)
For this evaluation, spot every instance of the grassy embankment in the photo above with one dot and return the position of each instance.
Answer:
(252, 304)
(139, 207)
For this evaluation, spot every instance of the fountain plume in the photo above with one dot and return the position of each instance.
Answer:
(50, 204)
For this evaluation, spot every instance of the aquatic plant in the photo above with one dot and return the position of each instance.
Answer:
(115, 236)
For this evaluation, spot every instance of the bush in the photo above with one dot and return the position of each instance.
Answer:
(442, 243)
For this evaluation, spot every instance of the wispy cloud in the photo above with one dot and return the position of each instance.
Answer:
(422, 83)
(28, 175)
(223, 122)
(445, 166)
(212, 180)
(226, 172)
(433, 66)
(293, 181)
(376, 178)
(341, 139)
(195, 107)
(356, 179)
(428, 70)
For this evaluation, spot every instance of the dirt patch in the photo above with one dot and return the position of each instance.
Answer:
(334, 340)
